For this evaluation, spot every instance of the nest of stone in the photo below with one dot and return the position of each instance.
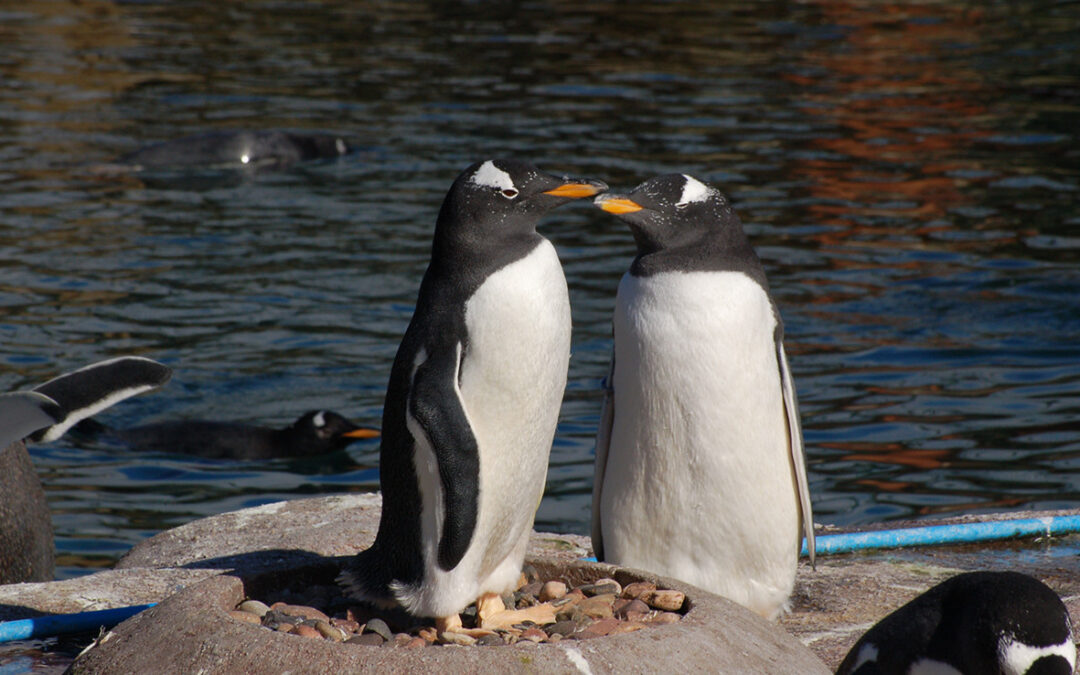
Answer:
(544, 611)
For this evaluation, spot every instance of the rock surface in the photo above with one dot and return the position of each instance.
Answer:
(831, 607)
(26, 532)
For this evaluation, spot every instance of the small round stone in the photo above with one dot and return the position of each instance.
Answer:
(416, 643)
(451, 638)
(246, 617)
(255, 607)
(379, 626)
(637, 588)
(302, 611)
(330, 632)
(305, 630)
(552, 590)
(534, 634)
(668, 601)
(491, 640)
(368, 639)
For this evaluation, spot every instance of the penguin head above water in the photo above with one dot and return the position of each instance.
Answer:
(681, 223)
(499, 199)
(672, 210)
(321, 431)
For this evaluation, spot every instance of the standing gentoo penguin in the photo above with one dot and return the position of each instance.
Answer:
(26, 534)
(317, 432)
(473, 399)
(1000, 623)
(700, 473)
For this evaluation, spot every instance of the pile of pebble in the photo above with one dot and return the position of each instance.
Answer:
(600, 608)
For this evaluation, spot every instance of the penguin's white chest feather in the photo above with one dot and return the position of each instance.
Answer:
(511, 382)
(699, 481)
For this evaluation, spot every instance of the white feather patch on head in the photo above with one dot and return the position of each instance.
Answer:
(693, 191)
(490, 175)
(319, 420)
(1016, 658)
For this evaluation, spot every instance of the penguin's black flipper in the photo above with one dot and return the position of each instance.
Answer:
(87, 391)
(24, 412)
(435, 402)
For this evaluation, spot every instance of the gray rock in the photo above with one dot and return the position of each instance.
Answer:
(379, 626)
(26, 533)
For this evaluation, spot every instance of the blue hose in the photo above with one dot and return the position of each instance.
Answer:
(960, 533)
(56, 624)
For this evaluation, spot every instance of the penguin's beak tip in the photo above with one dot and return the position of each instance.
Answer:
(362, 433)
(578, 188)
(616, 204)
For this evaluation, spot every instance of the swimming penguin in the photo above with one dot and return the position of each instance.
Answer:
(235, 149)
(317, 432)
(26, 534)
(473, 400)
(976, 623)
(700, 473)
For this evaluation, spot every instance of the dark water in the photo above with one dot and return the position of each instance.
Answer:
(909, 172)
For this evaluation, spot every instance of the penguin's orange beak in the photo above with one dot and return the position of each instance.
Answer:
(362, 433)
(618, 205)
(576, 190)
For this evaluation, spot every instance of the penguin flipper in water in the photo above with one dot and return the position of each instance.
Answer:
(435, 404)
(89, 390)
(24, 412)
(603, 444)
(795, 442)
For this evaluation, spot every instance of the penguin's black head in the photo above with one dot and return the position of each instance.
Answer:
(499, 197)
(322, 431)
(671, 210)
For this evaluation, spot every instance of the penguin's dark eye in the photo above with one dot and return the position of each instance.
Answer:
(509, 193)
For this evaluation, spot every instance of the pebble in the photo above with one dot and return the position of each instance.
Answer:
(552, 590)
(601, 587)
(302, 611)
(598, 628)
(632, 610)
(597, 607)
(347, 625)
(246, 617)
(379, 626)
(534, 634)
(564, 628)
(330, 632)
(449, 638)
(664, 618)
(429, 634)
(255, 607)
(601, 608)
(491, 640)
(638, 588)
(669, 601)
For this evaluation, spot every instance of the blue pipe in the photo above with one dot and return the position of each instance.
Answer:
(960, 533)
(56, 624)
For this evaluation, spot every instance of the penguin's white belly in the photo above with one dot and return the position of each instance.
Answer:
(699, 484)
(512, 381)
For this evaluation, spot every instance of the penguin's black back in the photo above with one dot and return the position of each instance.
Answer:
(960, 622)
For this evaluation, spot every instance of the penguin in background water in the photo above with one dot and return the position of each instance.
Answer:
(317, 432)
(44, 414)
(700, 473)
(473, 400)
(978, 623)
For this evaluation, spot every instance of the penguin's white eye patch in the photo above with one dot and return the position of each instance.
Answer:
(693, 191)
(509, 193)
(489, 175)
(319, 420)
